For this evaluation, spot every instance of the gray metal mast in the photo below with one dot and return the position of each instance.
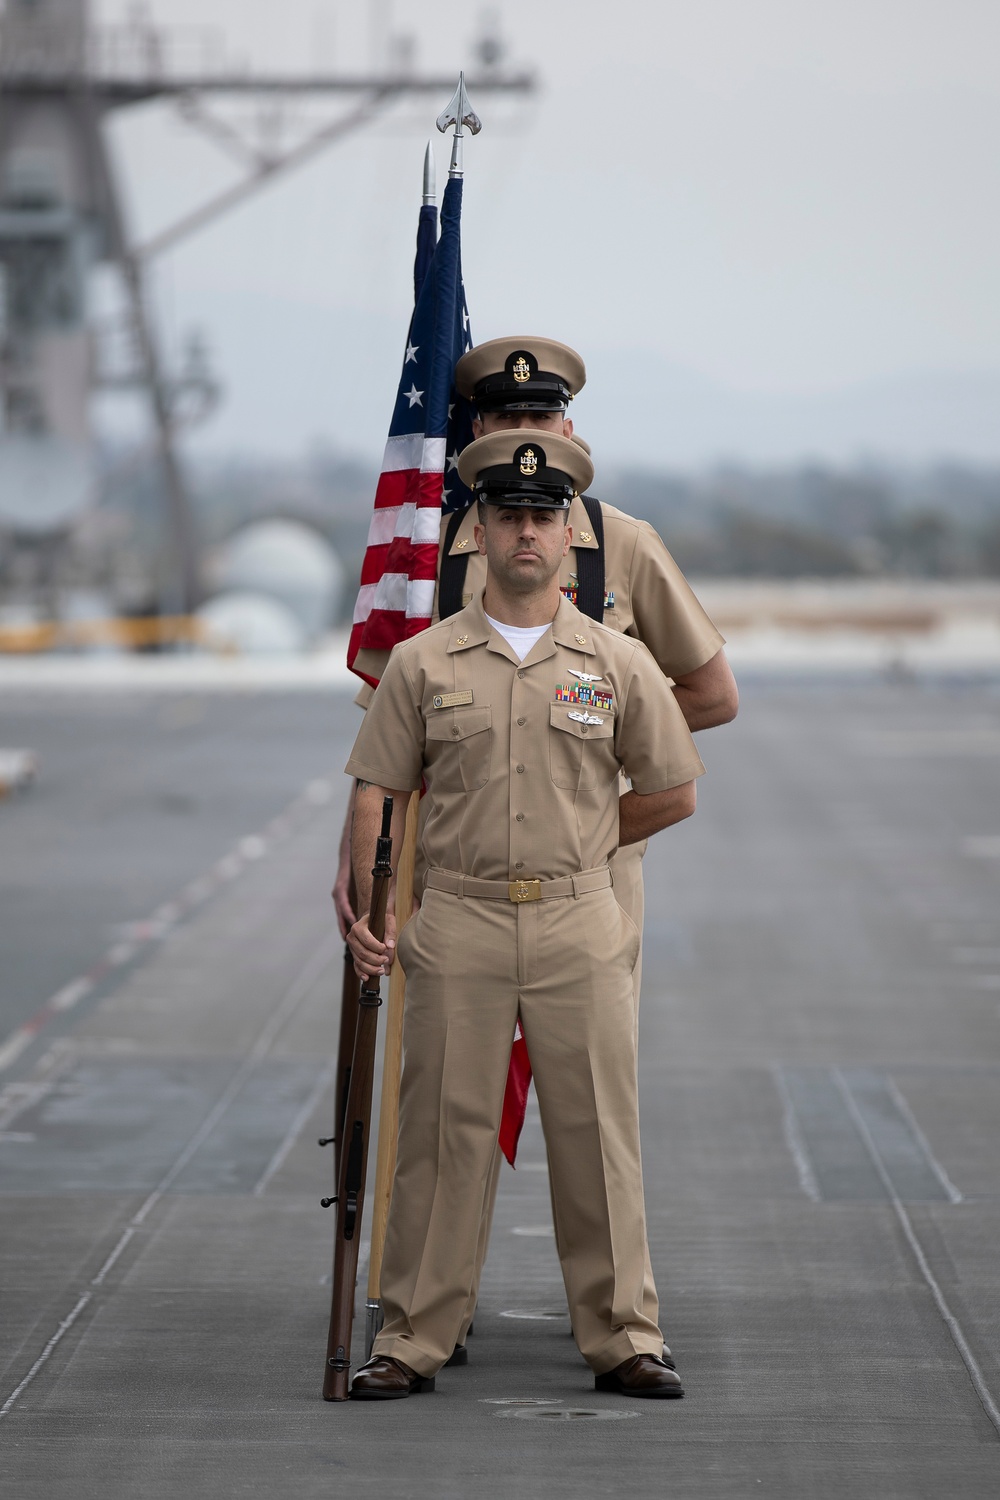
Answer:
(61, 214)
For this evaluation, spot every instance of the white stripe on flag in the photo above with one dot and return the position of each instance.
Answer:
(403, 452)
(420, 599)
(364, 603)
(433, 456)
(404, 520)
(418, 523)
(390, 592)
(427, 524)
(383, 527)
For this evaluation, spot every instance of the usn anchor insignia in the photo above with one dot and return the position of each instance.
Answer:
(529, 462)
(520, 369)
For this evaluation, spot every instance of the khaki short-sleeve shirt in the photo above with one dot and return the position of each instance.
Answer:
(521, 760)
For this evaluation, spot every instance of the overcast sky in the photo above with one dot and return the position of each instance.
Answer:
(735, 209)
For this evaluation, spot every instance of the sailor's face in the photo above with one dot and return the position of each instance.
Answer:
(523, 545)
(511, 421)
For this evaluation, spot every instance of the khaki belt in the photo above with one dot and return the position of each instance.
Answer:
(519, 890)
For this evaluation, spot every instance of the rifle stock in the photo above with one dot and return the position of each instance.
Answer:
(353, 1141)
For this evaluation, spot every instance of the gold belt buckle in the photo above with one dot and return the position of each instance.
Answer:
(525, 890)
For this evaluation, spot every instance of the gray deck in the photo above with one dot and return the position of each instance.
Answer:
(820, 1056)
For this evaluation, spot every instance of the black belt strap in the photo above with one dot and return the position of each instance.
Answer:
(590, 565)
(451, 584)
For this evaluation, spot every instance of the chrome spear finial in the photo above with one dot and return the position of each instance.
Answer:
(459, 112)
(430, 183)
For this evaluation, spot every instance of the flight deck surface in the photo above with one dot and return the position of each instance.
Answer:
(820, 1082)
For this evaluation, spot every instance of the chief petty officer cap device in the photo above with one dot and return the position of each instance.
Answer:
(525, 468)
(520, 374)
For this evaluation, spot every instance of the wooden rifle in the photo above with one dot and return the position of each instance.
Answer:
(354, 1140)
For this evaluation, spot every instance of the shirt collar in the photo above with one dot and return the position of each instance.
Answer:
(583, 527)
(570, 628)
(464, 541)
(469, 627)
(573, 629)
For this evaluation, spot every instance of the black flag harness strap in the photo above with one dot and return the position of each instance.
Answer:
(589, 567)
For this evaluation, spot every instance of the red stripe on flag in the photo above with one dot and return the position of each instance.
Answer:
(396, 487)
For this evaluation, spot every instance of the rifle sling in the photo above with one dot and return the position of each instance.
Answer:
(451, 583)
(590, 565)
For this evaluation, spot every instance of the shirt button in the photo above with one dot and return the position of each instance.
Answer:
(519, 770)
(521, 673)
(519, 865)
(522, 721)
(583, 729)
(455, 731)
(520, 817)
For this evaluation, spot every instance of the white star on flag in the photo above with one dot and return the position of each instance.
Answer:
(414, 396)
(453, 460)
(411, 353)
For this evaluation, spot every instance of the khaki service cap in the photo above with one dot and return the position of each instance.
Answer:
(520, 374)
(525, 468)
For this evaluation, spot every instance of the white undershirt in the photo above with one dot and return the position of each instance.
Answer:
(519, 638)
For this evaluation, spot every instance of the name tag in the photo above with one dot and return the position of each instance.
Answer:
(452, 700)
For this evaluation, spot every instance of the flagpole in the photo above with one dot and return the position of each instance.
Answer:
(430, 182)
(458, 112)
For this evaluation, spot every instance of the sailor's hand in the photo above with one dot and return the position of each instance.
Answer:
(372, 959)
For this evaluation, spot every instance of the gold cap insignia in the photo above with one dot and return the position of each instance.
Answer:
(520, 369)
(529, 461)
(581, 640)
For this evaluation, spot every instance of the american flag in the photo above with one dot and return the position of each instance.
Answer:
(430, 426)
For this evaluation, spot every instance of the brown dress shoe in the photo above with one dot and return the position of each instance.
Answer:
(385, 1379)
(642, 1375)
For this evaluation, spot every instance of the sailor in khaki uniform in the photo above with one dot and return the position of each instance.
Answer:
(519, 715)
(634, 584)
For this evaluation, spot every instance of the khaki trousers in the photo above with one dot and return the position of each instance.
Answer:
(627, 870)
(472, 966)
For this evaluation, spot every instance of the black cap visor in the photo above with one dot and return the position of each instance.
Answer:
(506, 485)
(501, 392)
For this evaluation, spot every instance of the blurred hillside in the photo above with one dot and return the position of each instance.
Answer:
(809, 521)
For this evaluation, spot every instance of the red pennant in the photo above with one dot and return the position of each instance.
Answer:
(515, 1098)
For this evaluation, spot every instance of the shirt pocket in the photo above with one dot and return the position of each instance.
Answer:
(460, 741)
(581, 756)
